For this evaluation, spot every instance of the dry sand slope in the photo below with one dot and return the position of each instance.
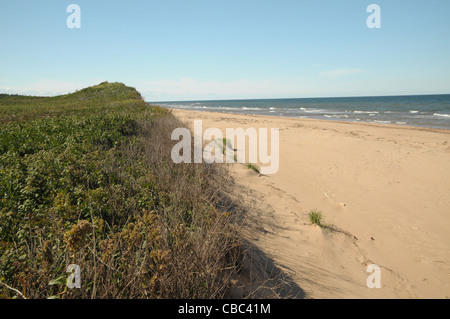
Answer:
(384, 189)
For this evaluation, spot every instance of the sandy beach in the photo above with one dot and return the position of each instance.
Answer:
(382, 189)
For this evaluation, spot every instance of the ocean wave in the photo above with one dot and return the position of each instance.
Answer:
(442, 115)
(383, 122)
(366, 112)
(251, 108)
(408, 113)
(309, 110)
(336, 116)
(215, 107)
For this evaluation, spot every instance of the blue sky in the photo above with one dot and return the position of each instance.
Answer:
(211, 49)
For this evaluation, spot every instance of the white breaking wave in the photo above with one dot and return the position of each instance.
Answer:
(384, 122)
(366, 112)
(251, 108)
(443, 115)
(304, 109)
(336, 116)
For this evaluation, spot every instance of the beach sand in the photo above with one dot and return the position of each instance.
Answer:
(383, 189)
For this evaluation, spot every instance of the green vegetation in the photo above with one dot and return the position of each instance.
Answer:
(87, 179)
(316, 218)
(253, 167)
(222, 143)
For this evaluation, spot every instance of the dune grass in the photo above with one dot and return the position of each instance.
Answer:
(316, 218)
(223, 144)
(253, 167)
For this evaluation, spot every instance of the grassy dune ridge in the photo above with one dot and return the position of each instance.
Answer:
(86, 178)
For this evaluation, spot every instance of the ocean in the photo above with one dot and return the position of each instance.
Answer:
(431, 111)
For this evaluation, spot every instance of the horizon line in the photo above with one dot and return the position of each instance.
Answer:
(296, 98)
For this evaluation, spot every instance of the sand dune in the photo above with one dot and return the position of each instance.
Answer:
(385, 191)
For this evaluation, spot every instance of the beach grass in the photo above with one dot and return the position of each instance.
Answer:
(316, 218)
(253, 167)
(223, 144)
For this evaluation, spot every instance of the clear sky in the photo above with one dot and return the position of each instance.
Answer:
(227, 49)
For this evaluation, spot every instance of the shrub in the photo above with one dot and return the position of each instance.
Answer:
(87, 179)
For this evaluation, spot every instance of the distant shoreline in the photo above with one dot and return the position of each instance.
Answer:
(432, 111)
(381, 125)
